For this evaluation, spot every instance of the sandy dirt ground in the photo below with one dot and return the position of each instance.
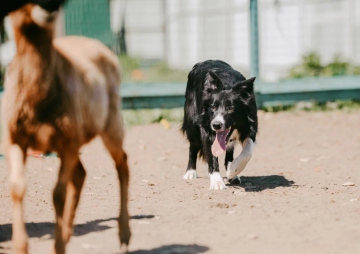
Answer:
(291, 199)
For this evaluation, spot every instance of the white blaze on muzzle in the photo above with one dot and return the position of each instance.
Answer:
(219, 144)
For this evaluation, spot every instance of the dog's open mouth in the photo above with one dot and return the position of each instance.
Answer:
(219, 145)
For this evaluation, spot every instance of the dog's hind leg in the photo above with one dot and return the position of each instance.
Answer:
(191, 168)
(16, 158)
(69, 160)
(229, 157)
(73, 190)
(113, 140)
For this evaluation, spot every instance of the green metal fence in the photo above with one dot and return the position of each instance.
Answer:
(286, 92)
(90, 18)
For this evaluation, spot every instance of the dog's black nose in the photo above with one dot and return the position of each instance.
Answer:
(217, 125)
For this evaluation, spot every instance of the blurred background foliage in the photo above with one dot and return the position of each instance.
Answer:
(137, 70)
(312, 66)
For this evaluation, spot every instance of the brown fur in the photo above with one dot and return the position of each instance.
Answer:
(59, 94)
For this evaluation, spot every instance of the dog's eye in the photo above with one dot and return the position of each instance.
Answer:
(230, 108)
(213, 107)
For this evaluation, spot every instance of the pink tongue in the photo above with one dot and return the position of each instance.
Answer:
(219, 145)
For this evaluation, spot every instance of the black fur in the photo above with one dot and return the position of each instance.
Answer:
(214, 87)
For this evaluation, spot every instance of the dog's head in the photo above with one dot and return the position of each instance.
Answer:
(30, 17)
(225, 108)
(9, 6)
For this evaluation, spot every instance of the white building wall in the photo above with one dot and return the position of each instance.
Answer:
(144, 26)
(197, 30)
(183, 33)
(239, 37)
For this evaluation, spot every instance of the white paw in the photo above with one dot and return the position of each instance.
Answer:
(216, 181)
(190, 174)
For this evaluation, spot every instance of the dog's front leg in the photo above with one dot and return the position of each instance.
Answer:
(216, 181)
(240, 162)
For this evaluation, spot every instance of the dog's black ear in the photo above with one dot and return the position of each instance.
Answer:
(213, 83)
(245, 89)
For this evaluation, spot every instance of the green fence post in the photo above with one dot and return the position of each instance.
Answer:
(254, 40)
(254, 46)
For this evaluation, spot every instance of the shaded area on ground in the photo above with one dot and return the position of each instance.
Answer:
(174, 249)
(291, 198)
(42, 229)
(260, 183)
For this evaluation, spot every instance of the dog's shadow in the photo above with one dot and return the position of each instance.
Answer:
(174, 248)
(46, 229)
(260, 183)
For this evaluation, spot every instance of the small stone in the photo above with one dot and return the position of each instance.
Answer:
(322, 158)
(354, 199)
(253, 236)
(145, 181)
(231, 212)
(96, 177)
(240, 193)
(348, 184)
(89, 246)
(222, 205)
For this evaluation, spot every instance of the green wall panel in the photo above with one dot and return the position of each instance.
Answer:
(90, 18)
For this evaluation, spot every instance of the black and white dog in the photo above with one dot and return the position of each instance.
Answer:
(220, 109)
